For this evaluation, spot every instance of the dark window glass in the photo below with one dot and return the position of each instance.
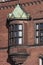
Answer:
(11, 28)
(41, 33)
(41, 39)
(16, 27)
(41, 25)
(16, 40)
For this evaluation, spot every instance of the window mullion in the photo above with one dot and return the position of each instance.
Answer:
(39, 33)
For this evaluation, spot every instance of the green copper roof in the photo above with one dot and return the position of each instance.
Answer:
(18, 13)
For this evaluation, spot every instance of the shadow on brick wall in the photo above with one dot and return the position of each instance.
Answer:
(9, 60)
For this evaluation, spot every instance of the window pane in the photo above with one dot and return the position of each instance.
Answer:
(41, 33)
(37, 26)
(11, 28)
(20, 27)
(20, 33)
(16, 40)
(15, 34)
(16, 27)
(10, 35)
(41, 25)
(41, 39)
(40, 61)
(10, 41)
(37, 40)
(37, 33)
(20, 40)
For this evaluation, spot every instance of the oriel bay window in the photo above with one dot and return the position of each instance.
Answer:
(17, 24)
(39, 33)
(16, 34)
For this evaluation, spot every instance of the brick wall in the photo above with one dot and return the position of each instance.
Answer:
(34, 51)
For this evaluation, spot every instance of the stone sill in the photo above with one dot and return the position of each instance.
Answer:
(18, 54)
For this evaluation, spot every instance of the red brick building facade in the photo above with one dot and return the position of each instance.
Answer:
(33, 32)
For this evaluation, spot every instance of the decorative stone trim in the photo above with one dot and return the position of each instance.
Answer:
(20, 55)
(7, 1)
(7, 7)
(23, 4)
